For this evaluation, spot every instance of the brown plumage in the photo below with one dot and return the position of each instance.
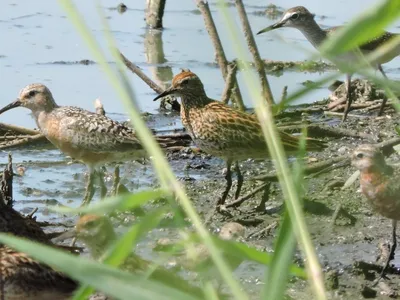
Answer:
(22, 277)
(85, 136)
(379, 183)
(91, 138)
(299, 17)
(223, 131)
(25, 278)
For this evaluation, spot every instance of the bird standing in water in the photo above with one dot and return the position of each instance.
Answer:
(223, 131)
(91, 138)
(299, 17)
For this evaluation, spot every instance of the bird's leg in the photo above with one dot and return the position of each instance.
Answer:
(348, 97)
(265, 197)
(89, 187)
(391, 253)
(385, 99)
(103, 188)
(239, 180)
(228, 178)
(116, 180)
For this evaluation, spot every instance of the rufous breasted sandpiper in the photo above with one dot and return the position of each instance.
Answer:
(379, 183)
(88, 137)
(223, 131)
(299, 17)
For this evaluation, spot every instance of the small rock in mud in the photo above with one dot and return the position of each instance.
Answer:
(332, 280)
(163, 245)
(31, 192)
(368, 292)
(232, 231)
(21, 170)
(198, 166)
(121, 8)
(186, 179)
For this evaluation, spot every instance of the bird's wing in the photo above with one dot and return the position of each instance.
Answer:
(240, 130)
(378, 41)
(33, 275)
(95, 132)
(370, 45)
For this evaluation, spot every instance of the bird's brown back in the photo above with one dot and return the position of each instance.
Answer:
(93, 138)
(227, 132)
(25, 278)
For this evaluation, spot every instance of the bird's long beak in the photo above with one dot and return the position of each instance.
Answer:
(167, 92)
(12, 105)
(273, 26)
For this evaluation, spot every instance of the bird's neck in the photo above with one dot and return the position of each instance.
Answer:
(43, 109)
(313, 33)
(193, 101)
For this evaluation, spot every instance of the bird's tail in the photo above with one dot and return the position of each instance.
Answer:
(291, 143)
(174, 140)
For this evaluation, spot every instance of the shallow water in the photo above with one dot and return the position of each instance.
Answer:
(38, 34)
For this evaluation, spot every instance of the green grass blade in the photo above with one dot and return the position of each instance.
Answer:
(163, 170)
(368, 25)
(278, 271)
(119, 252)
(109, 280)
(277, 153)
(118, 203)
(244, 252)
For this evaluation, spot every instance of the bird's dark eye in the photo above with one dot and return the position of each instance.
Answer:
(294, 16)
(185, 82)
(360, 155)
(32, 93)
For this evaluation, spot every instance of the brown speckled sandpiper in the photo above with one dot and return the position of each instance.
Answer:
(223, 131)
(299, 17)
(88, 137)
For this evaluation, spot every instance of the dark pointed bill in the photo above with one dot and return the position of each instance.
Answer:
(272, 27)
(12, 105)
(163, 94)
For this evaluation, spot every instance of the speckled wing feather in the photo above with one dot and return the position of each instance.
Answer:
(370, 45)
(378, 41)
(25, 276)
(236, 132)
(95, 132)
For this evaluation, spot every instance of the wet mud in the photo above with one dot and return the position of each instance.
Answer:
(348, 247)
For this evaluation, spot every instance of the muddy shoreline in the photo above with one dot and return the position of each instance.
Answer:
(347, 249)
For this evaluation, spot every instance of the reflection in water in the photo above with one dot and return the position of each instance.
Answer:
(155, 57)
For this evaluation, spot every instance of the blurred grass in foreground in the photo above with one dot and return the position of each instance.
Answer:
(106, 277)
